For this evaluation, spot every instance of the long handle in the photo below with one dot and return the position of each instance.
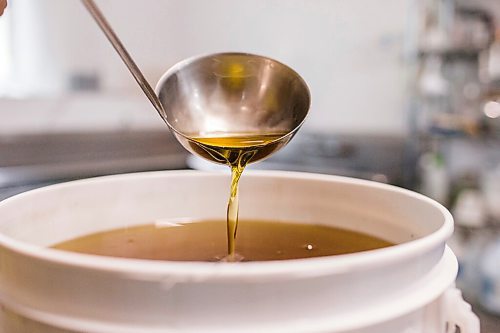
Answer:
(127, 59)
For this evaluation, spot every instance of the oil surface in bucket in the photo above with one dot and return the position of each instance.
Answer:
(204, 241)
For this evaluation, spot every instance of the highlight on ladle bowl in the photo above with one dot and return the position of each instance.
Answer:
(250, 103)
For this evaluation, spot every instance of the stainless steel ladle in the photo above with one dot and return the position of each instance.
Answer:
(221, 94)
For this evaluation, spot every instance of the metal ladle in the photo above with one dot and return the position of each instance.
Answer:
(221, 94)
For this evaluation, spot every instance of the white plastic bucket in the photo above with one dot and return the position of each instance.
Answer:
(405, 288)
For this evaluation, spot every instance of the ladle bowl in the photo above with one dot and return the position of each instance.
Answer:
(228, 94)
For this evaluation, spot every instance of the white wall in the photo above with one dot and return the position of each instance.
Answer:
(350, 52)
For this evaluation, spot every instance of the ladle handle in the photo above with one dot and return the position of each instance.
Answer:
(127, 59)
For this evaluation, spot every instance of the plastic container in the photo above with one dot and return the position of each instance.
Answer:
(405, 288)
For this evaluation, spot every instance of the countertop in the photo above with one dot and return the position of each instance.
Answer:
(39, 158)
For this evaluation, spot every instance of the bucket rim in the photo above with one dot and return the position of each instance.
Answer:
(294, 268)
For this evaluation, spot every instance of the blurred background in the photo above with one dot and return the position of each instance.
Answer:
(404, 92)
